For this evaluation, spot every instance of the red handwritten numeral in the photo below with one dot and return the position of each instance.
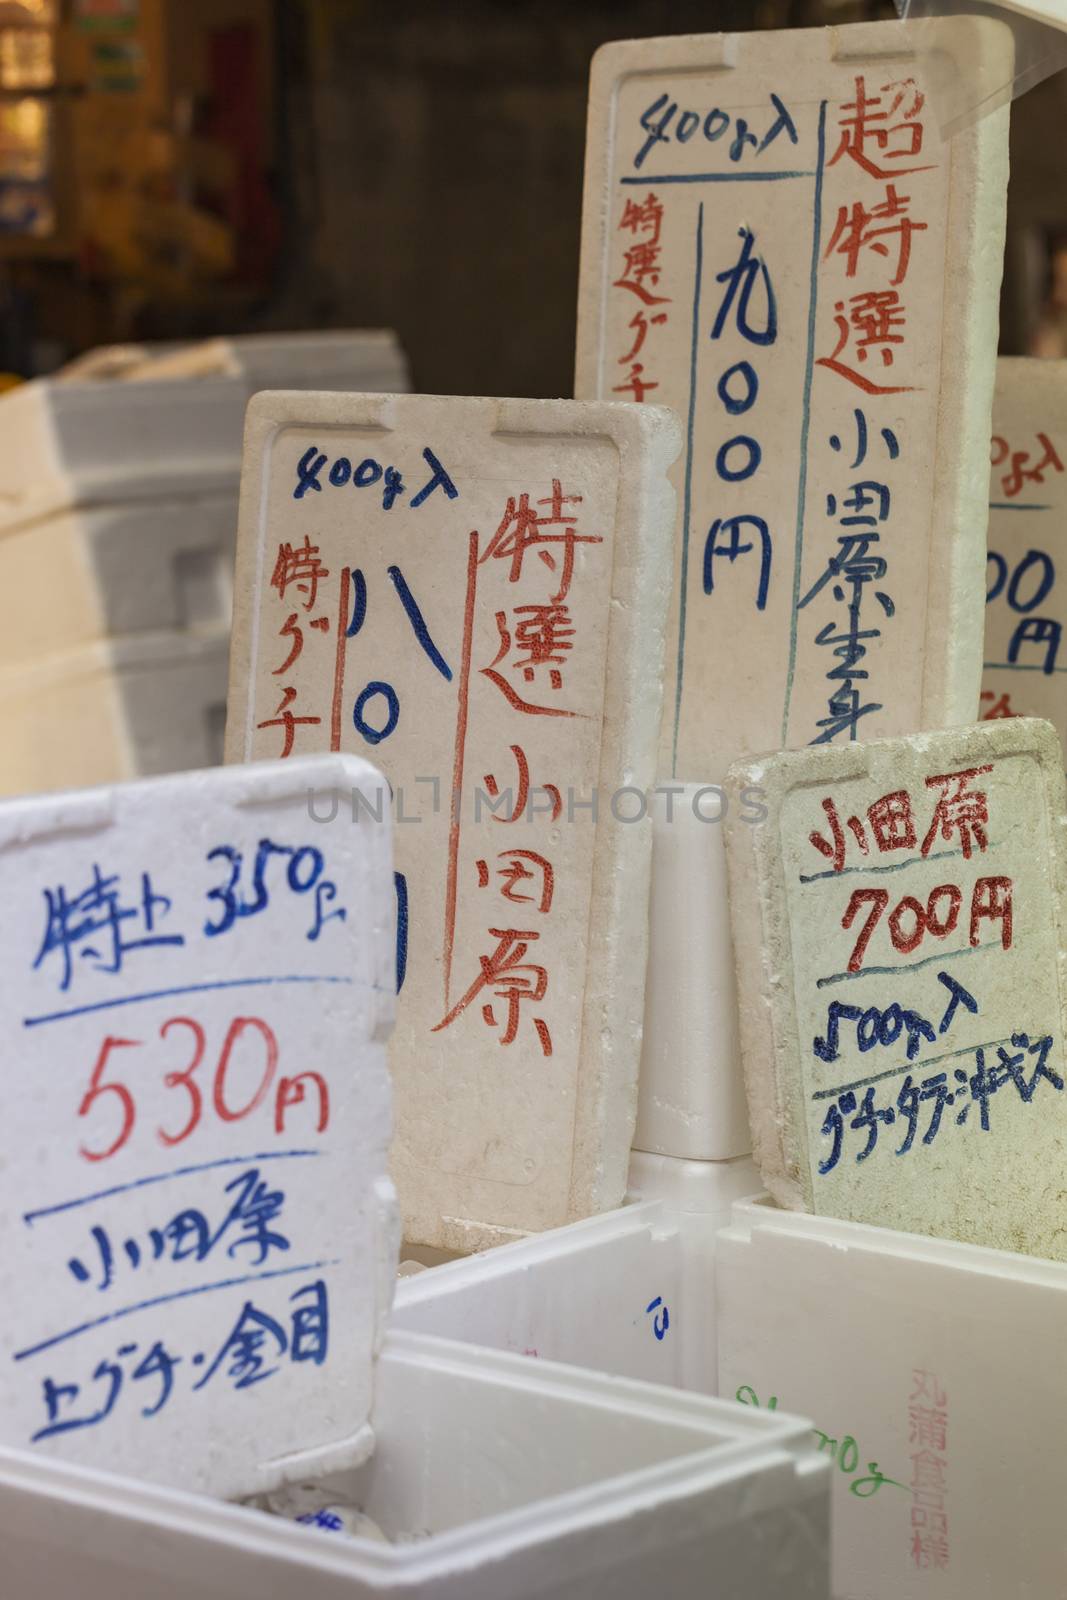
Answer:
(902, 940)
(233, 1033)
(877, 899)
(96, 1089)
(991, 900)
(292, 1091)
(185, 1079)
(941, 929)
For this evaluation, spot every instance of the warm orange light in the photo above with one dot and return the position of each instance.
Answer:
(24, 140)
(35, 10)
(27, 58)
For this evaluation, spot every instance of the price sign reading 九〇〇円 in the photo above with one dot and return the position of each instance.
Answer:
(778, 243)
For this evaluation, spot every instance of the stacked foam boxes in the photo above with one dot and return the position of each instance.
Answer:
(633, 1291)
(118, 513)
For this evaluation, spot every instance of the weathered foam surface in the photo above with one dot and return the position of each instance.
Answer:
(898, 929)
(778, 244)
(1026, 608)
(474, 591)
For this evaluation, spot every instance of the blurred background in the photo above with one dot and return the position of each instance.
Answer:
(174, 169)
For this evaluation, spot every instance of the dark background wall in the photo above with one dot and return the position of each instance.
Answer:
(414, 164)
(434, 171)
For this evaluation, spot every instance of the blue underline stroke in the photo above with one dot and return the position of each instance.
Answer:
(907, 966)
(713, 177)
(29, 1217)
(165, 1299)
(165, 994)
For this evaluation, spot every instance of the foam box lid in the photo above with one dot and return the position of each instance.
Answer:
(70, 442)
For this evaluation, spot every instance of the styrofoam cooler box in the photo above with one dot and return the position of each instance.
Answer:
(66, 444)
(86, 574)
(629, 1292)
(934, 1365)
(697, 1196)
(364, 360)
(367, 359)
(79, 442)
(633, 1291)
(497, 1477)
(691, 1093)
(117, 709)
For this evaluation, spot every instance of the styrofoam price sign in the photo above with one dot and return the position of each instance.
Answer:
(1026, 598)
(903, 1027)
(195, 1213)
(474, 592)
(777, 243)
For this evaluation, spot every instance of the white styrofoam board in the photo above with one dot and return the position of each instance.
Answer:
(196, 1219)
(516, 1117)
(763, 474)
(115, 710)
(1026, 592)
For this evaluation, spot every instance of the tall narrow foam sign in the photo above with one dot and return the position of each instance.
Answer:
(778, 244)
(197, 1231)
(1025, 669)
(475, 592)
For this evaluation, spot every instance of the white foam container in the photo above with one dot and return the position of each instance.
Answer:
(76, 441)
(691, 1094)
(70, 443)
(835, 1319)
(520, 1480)
(334, 358)
(139, 566)
(629, 1292)
(118, 499)
(117, 709)
(367, 360)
